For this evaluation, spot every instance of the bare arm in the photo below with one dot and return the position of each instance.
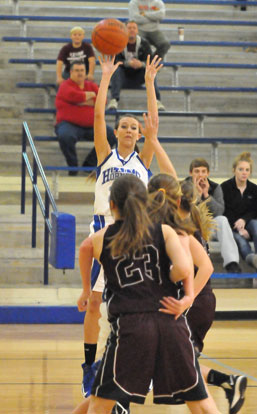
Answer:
(164, 163)
(91, 69)
(102, 146)
(203, 263)
(182, 266)
(90, 248)
(170, 304)
(86, 253)
(205, 269)
(59, 78)
(151, 71)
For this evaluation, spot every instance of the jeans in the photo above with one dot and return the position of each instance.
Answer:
(158, 40)
(131, 79)
(243, 244)
(224, 235)
(68, 135)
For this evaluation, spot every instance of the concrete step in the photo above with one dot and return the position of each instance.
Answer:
(29, 270)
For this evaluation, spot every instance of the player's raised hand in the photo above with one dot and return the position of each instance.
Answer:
(107, 64)
(150, 127)
(152, 68)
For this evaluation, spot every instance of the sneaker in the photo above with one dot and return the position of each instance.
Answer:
(255, 261)
(235, 392)
(113, 104)
(233, 267)
(251, 259)
(160, 106)
(89, 373)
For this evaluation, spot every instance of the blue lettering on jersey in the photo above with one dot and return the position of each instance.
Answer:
(114, 172)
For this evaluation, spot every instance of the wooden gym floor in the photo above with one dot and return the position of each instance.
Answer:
(40, 369)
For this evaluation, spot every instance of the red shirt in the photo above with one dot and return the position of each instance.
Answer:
(67, 101)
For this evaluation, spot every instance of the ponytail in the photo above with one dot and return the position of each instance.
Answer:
(129, 195)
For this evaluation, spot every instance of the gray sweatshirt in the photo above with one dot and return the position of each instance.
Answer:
(154, 12)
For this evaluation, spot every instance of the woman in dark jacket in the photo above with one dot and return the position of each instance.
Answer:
(240, 197)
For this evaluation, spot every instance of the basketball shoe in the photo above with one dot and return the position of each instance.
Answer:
(235, 392)
(89, 373)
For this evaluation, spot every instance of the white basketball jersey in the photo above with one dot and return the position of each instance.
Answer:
(113, 167)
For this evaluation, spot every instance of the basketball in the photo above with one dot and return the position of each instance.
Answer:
(110, 36)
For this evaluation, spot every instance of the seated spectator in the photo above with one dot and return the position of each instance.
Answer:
(211, 192)
(78, 51)
(132, 73)
(240, 196)
(148, 14)
(75, 102)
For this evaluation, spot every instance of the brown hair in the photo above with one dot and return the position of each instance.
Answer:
(117, 122)
(199, 214)
(129, 195)
(199, 162)
(164, 193)
(244, 156)
(130, 21)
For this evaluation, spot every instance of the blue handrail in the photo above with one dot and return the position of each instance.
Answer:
(36, 196)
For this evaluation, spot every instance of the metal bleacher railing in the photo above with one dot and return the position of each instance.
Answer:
(36, 196)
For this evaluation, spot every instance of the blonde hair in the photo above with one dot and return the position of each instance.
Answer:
(164, 195)
(244, 156)
(199, 214)
(129, 195)
(77, 29)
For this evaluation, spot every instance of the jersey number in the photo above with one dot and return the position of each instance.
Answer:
(143, 264)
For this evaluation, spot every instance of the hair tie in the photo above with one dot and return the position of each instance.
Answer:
(163, 190)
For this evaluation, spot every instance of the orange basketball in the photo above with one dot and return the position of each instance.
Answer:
(110, 36)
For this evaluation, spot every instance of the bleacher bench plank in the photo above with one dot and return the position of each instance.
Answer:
(192, 2)
(192, 22)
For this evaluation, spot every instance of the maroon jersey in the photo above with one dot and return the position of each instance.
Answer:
(69, 54)
(137, 283)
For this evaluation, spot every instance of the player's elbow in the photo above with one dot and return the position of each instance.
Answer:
(180, 272)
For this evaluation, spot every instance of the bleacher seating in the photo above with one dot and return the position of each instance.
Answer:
(32, 40)
(174, 65)
(210, 57)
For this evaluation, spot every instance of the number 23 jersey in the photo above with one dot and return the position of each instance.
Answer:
(136, 283)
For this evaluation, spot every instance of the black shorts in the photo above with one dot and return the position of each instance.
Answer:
(144, 347)
(200, 317)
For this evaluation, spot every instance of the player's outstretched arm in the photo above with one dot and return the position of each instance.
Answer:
(102, 146)
(151, 71)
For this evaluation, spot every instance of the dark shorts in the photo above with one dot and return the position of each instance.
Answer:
(144, 347)
(200, 317)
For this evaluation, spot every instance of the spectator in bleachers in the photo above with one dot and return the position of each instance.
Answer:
(148, 14)
(75, 101)
(76, 50)
(240, 196)
(211, 193)
(131, 74)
